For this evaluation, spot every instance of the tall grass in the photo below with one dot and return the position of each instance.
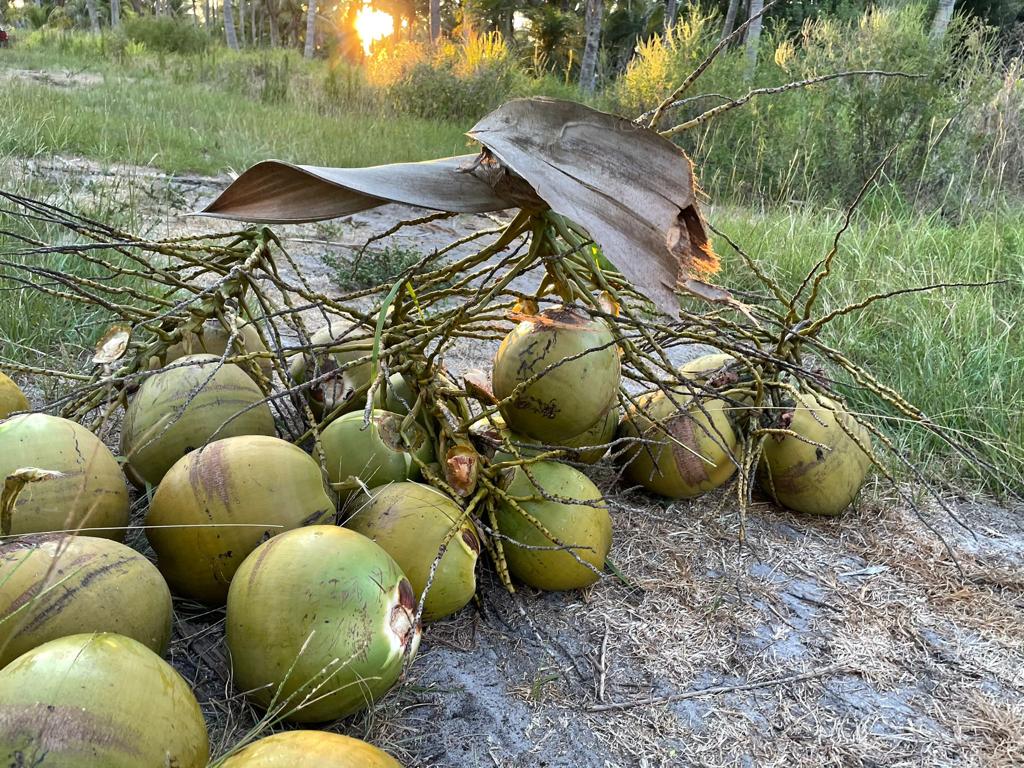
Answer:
(818, 144)
(957, 353)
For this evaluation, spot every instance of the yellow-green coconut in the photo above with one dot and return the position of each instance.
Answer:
(54, 586)
(580, 522)
(377, 453)
(687, 449)
(825, 471)
(90, 494)
(184, 407)
(411, 521)
(212, 339)
(337, 389)
(217, 504)
(98, 701)
(11, 397)
(319, 619)
(310, 749)
(577, 364)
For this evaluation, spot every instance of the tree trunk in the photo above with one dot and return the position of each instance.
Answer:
(229, 26)
(592, 31)
(254, 36)
(435, 20)
(942, 17)
(115, 14)
(671, 8)
(94, 18)
(275, 33)
(206, 14)
(730, 17)
(754, 37)
(310, 30)
(241, 23)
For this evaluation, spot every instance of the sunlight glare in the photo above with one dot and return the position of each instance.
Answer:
(371, 25)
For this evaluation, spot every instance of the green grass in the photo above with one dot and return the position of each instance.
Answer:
(955, 353)
(143, 117)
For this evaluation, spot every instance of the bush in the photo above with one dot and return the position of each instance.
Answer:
(818, 145)
(167, 34)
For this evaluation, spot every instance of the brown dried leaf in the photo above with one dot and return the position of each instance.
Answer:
(112, 346)
(631, 189)
(478, 384)
(275, 192)
(13, 485)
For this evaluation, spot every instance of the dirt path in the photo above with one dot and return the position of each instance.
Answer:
(892, 648)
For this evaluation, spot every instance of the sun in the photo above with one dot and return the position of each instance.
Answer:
(371, 25)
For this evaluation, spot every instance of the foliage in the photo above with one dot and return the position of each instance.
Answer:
(819, 144)
(166, 33)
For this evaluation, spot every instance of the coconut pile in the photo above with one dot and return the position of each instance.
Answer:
(310, 464)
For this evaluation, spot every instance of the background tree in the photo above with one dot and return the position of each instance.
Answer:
(229, 26)
(942, 16)
(754, 36)
(591, 45)
(310, 30)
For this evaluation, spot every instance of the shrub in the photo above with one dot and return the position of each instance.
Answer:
(167, 34)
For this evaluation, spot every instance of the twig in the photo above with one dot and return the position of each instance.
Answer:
(652, 701)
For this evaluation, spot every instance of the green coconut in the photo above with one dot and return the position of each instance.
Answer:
(159, 428)
(310, 749)
(581, 522)
(687, 449)
(89, 495)
(568, 399)
(594, 442)
(12, 399)
(397, 395)
(212, 339)
(98, 701)
(334, 346)
(701, 367)
(411, 521)
(319, 621)
(822, 473)
(375, 454)
(54, 586)
(217, 504)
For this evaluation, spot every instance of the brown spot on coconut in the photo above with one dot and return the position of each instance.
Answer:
(54, 586)
(217, 504)
(92, 700)
(822, 473)
(319, 618)
(89, 493)
(678, 448)
(578, 369)
(183, 408)
(310, 749)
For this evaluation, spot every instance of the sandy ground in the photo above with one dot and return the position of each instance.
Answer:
(862, 641)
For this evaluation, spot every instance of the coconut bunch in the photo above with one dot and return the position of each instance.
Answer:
(309, 463)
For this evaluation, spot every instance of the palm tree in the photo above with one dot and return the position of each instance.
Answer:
(754, 36)
(94, 19)
(229, 26)
(730, 17)
(435, 20)
(115, 14)
(310, 30)
(592, 33)
(942, 17)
